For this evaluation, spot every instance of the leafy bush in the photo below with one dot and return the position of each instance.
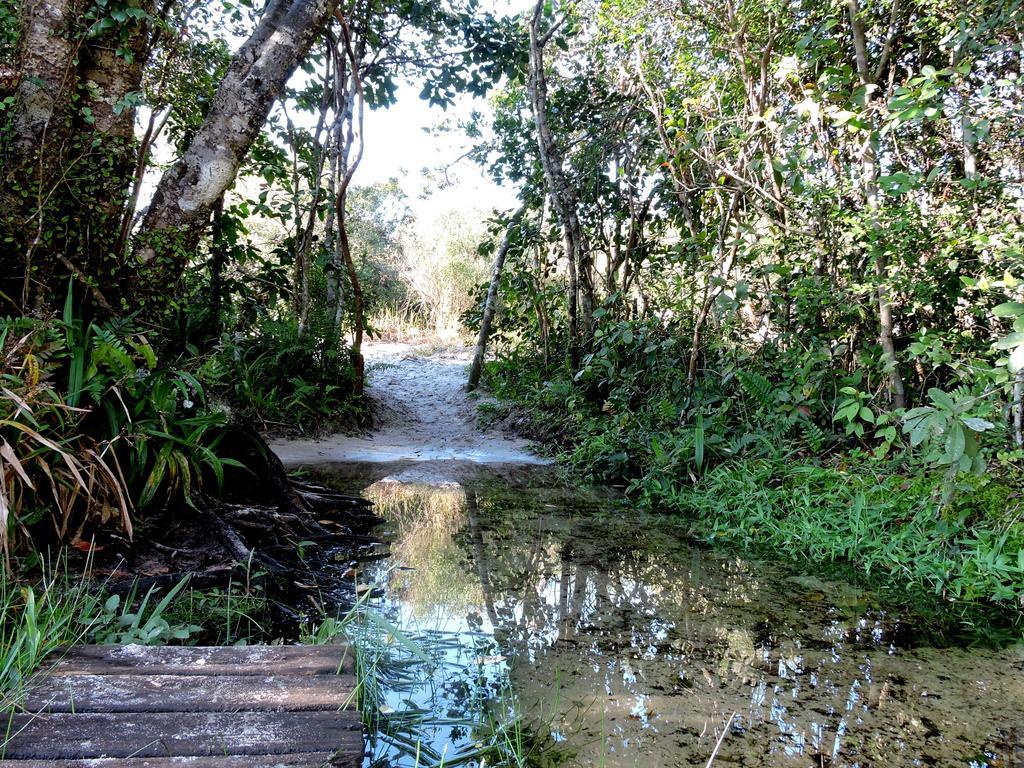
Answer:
(282, 379)
(91, 429)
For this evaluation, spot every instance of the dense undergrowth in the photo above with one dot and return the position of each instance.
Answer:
(284, 381)
(887, 525)
(781, 466)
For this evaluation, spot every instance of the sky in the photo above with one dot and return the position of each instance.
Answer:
(398, 145)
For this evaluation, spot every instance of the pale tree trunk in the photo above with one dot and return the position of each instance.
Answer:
(539, 262)
(350, 106)
(563, 198)
(490, 304)
(188, 190)
(332, 246)
(48, 68)
(869, 188)
(69, 152)
(40, 126)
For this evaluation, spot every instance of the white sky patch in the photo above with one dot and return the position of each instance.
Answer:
(400, 144)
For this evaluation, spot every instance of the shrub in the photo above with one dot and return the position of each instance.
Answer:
(92, 429)
(280, 379)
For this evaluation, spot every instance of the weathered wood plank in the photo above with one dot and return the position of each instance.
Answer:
(188, 693)
(173, 734)
(212, 660)
(300, 760)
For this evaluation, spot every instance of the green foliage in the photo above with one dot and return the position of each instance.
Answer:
(950, 436)
(799, 258)
(280, 379)
(884, 524)
(38, 619)
(91, 429)
(118, 621)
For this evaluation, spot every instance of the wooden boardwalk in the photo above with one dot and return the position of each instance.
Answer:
(142, 707)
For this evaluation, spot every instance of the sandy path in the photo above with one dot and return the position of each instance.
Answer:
(423, 413)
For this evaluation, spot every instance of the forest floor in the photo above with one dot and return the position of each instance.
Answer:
(422, 412)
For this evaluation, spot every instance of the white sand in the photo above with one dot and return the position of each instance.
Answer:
(422, 413)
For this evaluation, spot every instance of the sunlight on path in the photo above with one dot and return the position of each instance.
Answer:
(423, 413)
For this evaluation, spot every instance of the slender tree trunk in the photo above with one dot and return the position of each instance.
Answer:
(869, 186)
(1018, 409)
(304, 239)
(490, 304)
(154, 127)
(543, 325)
(711, 292)
(563, 199)
(351, 109)
(336, 263)
(358, 311)
(218, 261)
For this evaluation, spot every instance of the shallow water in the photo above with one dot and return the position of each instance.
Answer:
(620, 644)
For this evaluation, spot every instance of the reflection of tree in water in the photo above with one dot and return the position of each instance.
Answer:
(642, 647)
(425, 520)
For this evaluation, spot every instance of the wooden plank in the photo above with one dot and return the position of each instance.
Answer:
(300, 760)
(211, 660)
(173, 734)
(188, 693)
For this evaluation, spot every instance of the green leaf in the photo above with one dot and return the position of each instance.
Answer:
(1011, 341)
(956, 442)
(976, 424)
(919, 433)
(941, 399)
(1009, 309)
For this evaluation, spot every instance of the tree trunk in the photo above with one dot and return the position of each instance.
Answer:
(57, 223)
(358, 318)
(1018, 409)
(490, 303)
(563, 199)
(47, 65)
(336, 264)
(218, 262)
(869, 188)
(350, 106)
(188, 190)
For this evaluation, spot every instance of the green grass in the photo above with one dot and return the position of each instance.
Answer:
(888, 527)
(38, 618)
(60, 608)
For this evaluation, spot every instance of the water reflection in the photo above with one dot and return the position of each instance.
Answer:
(636, 650)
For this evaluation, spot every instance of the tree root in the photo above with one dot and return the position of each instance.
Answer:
(268, 526)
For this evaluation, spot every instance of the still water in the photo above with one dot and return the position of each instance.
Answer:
(612, 641)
